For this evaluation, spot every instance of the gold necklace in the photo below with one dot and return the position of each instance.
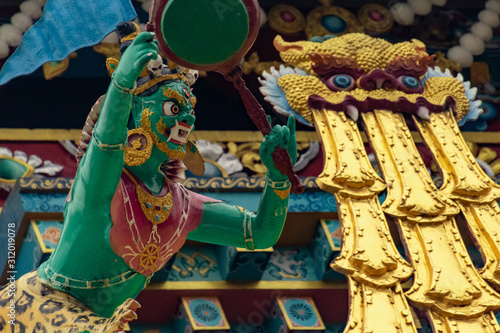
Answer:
(156, 209)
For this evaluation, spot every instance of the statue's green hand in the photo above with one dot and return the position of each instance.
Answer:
(282, 136)
(135, 58)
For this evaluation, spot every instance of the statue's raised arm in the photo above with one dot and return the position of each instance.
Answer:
(103, 161)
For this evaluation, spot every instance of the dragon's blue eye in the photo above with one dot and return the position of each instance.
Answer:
(409, 85)
(340, 82)
(410, 82)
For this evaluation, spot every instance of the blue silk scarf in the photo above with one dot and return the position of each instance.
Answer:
(65, 26)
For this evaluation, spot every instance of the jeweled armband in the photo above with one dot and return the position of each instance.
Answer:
(281, 189)
(108, 147)
(281, 185)
(248, 232)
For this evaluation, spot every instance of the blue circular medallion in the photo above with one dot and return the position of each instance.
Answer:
(205, 312)
(301, 312)
(333, 24)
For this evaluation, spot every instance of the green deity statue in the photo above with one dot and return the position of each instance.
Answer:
(127, 214)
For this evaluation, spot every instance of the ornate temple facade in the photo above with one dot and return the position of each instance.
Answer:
(397, 229)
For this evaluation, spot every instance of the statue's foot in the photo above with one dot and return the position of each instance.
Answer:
(128, 308)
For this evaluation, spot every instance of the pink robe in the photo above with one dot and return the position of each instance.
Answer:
(146, 246)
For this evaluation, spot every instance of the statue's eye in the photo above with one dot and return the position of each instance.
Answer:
(340, 82)
(409, 84)
(187, 94)
(170, 108)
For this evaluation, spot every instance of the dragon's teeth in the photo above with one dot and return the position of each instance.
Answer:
(423, 113)
(352, 111)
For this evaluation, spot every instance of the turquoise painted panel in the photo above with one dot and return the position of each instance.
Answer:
(305, 202)
(335, 231)
(249, 200)
(336, 236)
(30, 255)
(290, 264)
(50, 232)
(309, 201)
(181, 321)
(195, 264)
(32, 252)
(295, 315)
(249, 266)
(225, 258)
(237, 265)
(322, 252)
(276, 322)
(312, 202)
(43, 202)
(302, 313)
(205, 313)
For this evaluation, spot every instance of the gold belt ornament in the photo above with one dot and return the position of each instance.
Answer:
(338, 80)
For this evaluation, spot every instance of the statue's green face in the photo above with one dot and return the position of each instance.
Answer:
(168, 115)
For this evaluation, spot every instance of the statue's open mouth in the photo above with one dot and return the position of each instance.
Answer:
(352, 106)
(179, 133)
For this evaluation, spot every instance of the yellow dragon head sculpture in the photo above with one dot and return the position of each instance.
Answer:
(358, 73)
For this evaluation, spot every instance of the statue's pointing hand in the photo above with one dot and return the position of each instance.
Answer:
(135, 58)
(282, 136)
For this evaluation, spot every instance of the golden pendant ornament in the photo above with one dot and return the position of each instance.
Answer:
(149, 256)
(156, 209)
(139, 147)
